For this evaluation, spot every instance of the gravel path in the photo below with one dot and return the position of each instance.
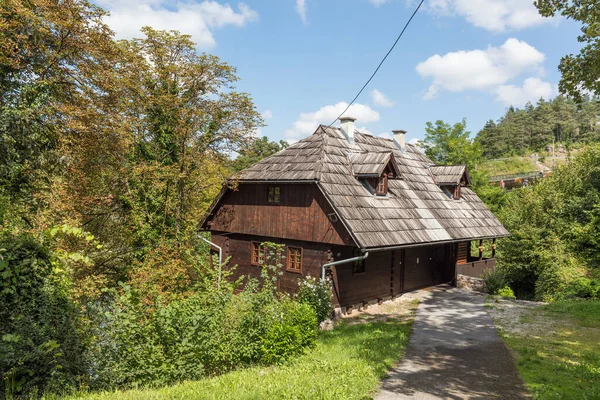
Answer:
(454, 353)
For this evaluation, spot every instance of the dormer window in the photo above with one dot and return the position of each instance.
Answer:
(450, 179)
(382, 186)
(374, 171)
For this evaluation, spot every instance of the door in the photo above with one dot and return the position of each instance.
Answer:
(419, 268)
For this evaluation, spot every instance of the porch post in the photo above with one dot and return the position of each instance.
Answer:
(494, 248)
(480, 249)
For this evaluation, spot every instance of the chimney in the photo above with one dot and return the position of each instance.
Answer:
(400, 139)
(347, 125)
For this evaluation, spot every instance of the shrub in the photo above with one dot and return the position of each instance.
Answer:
(494, 280)
(317, 294)
(209, 333)
(507, 292)
(292, 331)
(42, 342)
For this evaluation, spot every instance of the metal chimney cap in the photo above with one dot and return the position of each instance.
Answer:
(343, 119)
(399, 131)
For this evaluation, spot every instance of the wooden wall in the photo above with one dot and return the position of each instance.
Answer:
(239, 247)
(302, 214)
(372, 284)
(387, 273)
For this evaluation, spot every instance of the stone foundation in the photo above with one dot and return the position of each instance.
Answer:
(470, 283)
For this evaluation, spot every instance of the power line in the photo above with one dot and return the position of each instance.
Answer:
(381, 63)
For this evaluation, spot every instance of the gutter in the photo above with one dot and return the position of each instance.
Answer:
(220, 258)
(406, 246)
(348, 260)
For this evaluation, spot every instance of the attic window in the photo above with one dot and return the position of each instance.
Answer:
(274, 194)
(452, 191)
(382, 186)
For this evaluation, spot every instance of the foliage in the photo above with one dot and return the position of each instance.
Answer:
(554, 244)
(251, 153)
(447, 144)
(42, 338)
(579, 72)
(317, 294)
(362, 353)
(562, 362)
(532, 128)
(494, 280)
(211, 332)
(507, 292)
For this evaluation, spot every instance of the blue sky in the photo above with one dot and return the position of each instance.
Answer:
(302, 60)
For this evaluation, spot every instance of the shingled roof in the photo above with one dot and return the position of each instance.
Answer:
(415, 210)
(449, 174)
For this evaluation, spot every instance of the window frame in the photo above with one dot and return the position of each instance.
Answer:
(288, 260)
(275, 197)
(261, 252)
(358, 267)
(383, 183)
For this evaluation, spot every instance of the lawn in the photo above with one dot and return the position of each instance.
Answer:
(558, 349)
(346, 363)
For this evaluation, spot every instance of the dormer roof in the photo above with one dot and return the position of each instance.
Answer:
(451, 175)
(372, 165)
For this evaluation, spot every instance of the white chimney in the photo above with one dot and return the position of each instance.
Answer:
(400, 139)
(347, 125)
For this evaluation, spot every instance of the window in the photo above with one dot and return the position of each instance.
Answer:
(258, 254)
(274, 194)
(382, 186)
(294, 259)
(358, 267)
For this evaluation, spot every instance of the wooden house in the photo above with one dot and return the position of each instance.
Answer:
(374, 214)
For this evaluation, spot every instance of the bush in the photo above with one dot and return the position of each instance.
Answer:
(317, 294)
(42, 344)
(209, 333)
(507, 292)
(495, 280)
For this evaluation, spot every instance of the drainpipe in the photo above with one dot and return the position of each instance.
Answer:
(348, 260)
(220, 258)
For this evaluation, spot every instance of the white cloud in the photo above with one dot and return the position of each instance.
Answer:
(198, 19)
(377, 3)
(531, 90)
(379, 99)
(307, 123)
(267, 114)
(480, 69)
(301, 10)
(492, 15)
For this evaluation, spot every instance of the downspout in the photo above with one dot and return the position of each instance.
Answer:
(220, 258)
(348, 260)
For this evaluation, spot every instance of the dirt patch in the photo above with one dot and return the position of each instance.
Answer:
(401, 309)
(519, 317)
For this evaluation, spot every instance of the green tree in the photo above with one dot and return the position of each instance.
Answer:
(451, 144)
(253, 152)
(580, 72)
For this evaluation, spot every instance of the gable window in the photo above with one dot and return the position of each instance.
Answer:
(258, 254)
(274, 194)
(294, 259)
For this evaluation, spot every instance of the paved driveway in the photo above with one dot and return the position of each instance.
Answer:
(454, 353)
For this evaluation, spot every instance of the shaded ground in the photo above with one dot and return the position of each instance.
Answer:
(454, 353)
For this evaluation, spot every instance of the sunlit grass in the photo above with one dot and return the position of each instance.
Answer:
(564, 364)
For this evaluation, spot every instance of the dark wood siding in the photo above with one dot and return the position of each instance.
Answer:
(428, 266)
(302, 214)
(374, 283)
(239, 248)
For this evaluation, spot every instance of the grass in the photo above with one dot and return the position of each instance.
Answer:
(513, 165)
(346, 363)
(563, 363)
